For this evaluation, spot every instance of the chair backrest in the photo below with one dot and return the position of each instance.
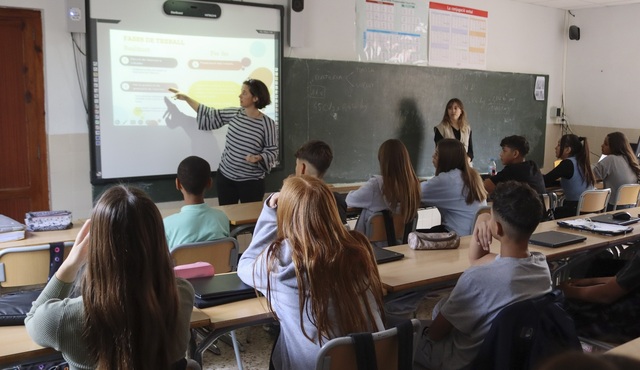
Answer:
(593, 201)
(376, 231)
(525, 333)
(24, 266)
(628, 195)
(340, 353)
(221, 253)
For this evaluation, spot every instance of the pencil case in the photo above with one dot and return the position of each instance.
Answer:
(194, 270)
(48, 220)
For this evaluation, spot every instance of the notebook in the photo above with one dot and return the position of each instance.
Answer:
(555, 239)
(608, 219)
(384, 255)
(220, 286)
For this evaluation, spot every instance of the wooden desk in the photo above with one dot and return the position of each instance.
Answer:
(420, 269)
(45, 237)
(227, 317)
(17, 347)
(630, 349)
(242, 213)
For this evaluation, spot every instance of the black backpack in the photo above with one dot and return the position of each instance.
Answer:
(527, 332)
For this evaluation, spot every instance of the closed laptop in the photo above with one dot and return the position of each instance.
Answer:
(608, 219)
(219, 286)
(555, 239)
(384, 255)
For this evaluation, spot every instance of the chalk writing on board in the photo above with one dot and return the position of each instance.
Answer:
(320, 107)
(317, 92)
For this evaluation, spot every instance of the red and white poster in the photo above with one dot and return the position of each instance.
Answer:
(457, 36)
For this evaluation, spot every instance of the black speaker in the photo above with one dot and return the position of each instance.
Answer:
(574, 33)
(297, 5)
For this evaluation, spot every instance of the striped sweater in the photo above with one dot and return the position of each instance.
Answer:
(246, 136)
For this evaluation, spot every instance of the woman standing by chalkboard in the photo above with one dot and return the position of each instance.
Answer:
(454, 125)
(251, 148)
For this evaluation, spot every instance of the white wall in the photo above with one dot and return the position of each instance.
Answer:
(522, 38)
(602, 77)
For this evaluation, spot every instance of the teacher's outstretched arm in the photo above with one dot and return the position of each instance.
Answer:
(182, 96)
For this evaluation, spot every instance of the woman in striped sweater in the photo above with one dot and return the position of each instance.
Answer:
(251, 148)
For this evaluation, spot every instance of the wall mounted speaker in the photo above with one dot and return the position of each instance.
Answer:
(297, 24)
(574, 33)
(297, 5)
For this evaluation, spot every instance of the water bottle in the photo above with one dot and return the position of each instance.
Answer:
(492, 167)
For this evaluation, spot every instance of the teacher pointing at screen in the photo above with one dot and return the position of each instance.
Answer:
(251, 147)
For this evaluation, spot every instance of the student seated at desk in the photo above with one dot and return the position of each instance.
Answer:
(574, 172)
(619, 167)
(196, 221)
(456, 190)
(397, 189)
(320, 280)
(516, 167)
(313, 158)
(606, 308)
(462, 320)
(133, 312)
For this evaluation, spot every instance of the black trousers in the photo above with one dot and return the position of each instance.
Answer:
(230, 191)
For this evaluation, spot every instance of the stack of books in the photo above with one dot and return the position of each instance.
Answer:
(10, 229)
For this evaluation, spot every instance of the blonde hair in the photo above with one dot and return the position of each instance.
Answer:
(400, 185)
(332, 265)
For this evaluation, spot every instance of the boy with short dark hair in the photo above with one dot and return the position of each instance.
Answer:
(462, 319)
(514, 150)
(196, 221)
(313, 158)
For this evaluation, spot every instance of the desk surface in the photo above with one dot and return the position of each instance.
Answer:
(16, 344)
(236, 314)
(238, 214)
(424, 268)
(45, 237)
(629, 349)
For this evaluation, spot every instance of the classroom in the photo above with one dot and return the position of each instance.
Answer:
(599, 78)
(594, 79)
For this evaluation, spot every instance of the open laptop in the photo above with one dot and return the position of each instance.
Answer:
(384, 255)
(608, 219)
(220, 286)
(555, 239)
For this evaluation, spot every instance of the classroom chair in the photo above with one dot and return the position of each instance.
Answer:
(377, 229)
(526, 332)
(628, 195)
(26, 266)
(593, 201)
(392, 350)
(221, 253)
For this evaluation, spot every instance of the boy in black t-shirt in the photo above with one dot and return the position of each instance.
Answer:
(516, 167)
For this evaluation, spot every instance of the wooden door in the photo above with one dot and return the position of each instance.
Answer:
(24, 182)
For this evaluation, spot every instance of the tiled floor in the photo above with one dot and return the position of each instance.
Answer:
(256, 353)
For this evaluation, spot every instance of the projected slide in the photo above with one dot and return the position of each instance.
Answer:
(136, 55)
(210, 70)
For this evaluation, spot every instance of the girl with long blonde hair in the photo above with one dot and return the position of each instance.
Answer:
(321, 280)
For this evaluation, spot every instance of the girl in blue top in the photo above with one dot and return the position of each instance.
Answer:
(456, 190)
(574, 173)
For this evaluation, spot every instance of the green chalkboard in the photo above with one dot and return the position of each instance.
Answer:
(356, 106)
